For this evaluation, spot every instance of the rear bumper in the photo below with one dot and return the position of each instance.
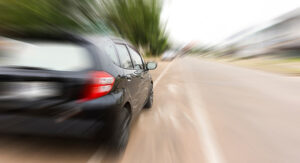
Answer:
(82, 119)
(109, 104)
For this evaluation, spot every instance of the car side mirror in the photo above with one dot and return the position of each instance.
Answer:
(151, 65)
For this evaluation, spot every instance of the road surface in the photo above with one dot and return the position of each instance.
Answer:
(203, 112)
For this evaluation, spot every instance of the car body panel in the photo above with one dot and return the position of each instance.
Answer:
(44, 115)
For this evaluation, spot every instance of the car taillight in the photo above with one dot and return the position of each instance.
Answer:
(100, 85)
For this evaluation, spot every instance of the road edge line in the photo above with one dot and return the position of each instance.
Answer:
(210, 146)
(97, 157)
(162, 74)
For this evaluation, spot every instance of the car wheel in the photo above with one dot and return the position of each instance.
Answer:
(149, 102)
(120, 138)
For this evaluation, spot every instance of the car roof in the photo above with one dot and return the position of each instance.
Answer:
(99, 38)
(78, 38)
(95, 39)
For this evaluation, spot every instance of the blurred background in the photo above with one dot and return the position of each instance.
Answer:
(226, 89)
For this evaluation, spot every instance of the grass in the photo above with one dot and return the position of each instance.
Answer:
(147, 58)
(286, 66)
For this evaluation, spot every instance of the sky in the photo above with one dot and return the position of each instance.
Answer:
(210, 22)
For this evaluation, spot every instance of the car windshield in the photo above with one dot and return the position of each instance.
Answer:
(50, 56)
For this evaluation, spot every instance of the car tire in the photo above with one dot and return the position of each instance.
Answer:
(149, 102)
(119, 140)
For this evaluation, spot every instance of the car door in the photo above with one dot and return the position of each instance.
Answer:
(129, 78)
(141, 75)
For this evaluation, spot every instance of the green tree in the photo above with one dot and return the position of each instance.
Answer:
(34, 16)
(136, 20)
(139, 22)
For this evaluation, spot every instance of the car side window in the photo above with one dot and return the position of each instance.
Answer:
(124, 56)
(136, 59)
(111, 51)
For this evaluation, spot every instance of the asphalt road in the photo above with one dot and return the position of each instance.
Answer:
(203, 112)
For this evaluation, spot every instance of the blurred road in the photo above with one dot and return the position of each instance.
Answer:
(203, 112)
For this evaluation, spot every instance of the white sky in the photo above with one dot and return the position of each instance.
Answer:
(211, 21)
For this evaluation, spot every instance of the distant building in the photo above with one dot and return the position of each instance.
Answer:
(278, 36)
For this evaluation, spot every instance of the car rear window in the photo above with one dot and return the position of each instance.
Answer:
(52, 56)
(111, 51)
(124, 56)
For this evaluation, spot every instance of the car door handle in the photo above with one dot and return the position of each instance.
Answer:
(139, 74)
(128, 77)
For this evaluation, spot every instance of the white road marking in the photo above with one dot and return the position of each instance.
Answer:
(210, 146)
(162, 74)
(172, 88)
(175, 123)
(98, 156)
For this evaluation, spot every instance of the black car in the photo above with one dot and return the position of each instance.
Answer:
(73, 86)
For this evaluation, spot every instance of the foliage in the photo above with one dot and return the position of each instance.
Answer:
(33, 16)
(136, 20)
(139, 22)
